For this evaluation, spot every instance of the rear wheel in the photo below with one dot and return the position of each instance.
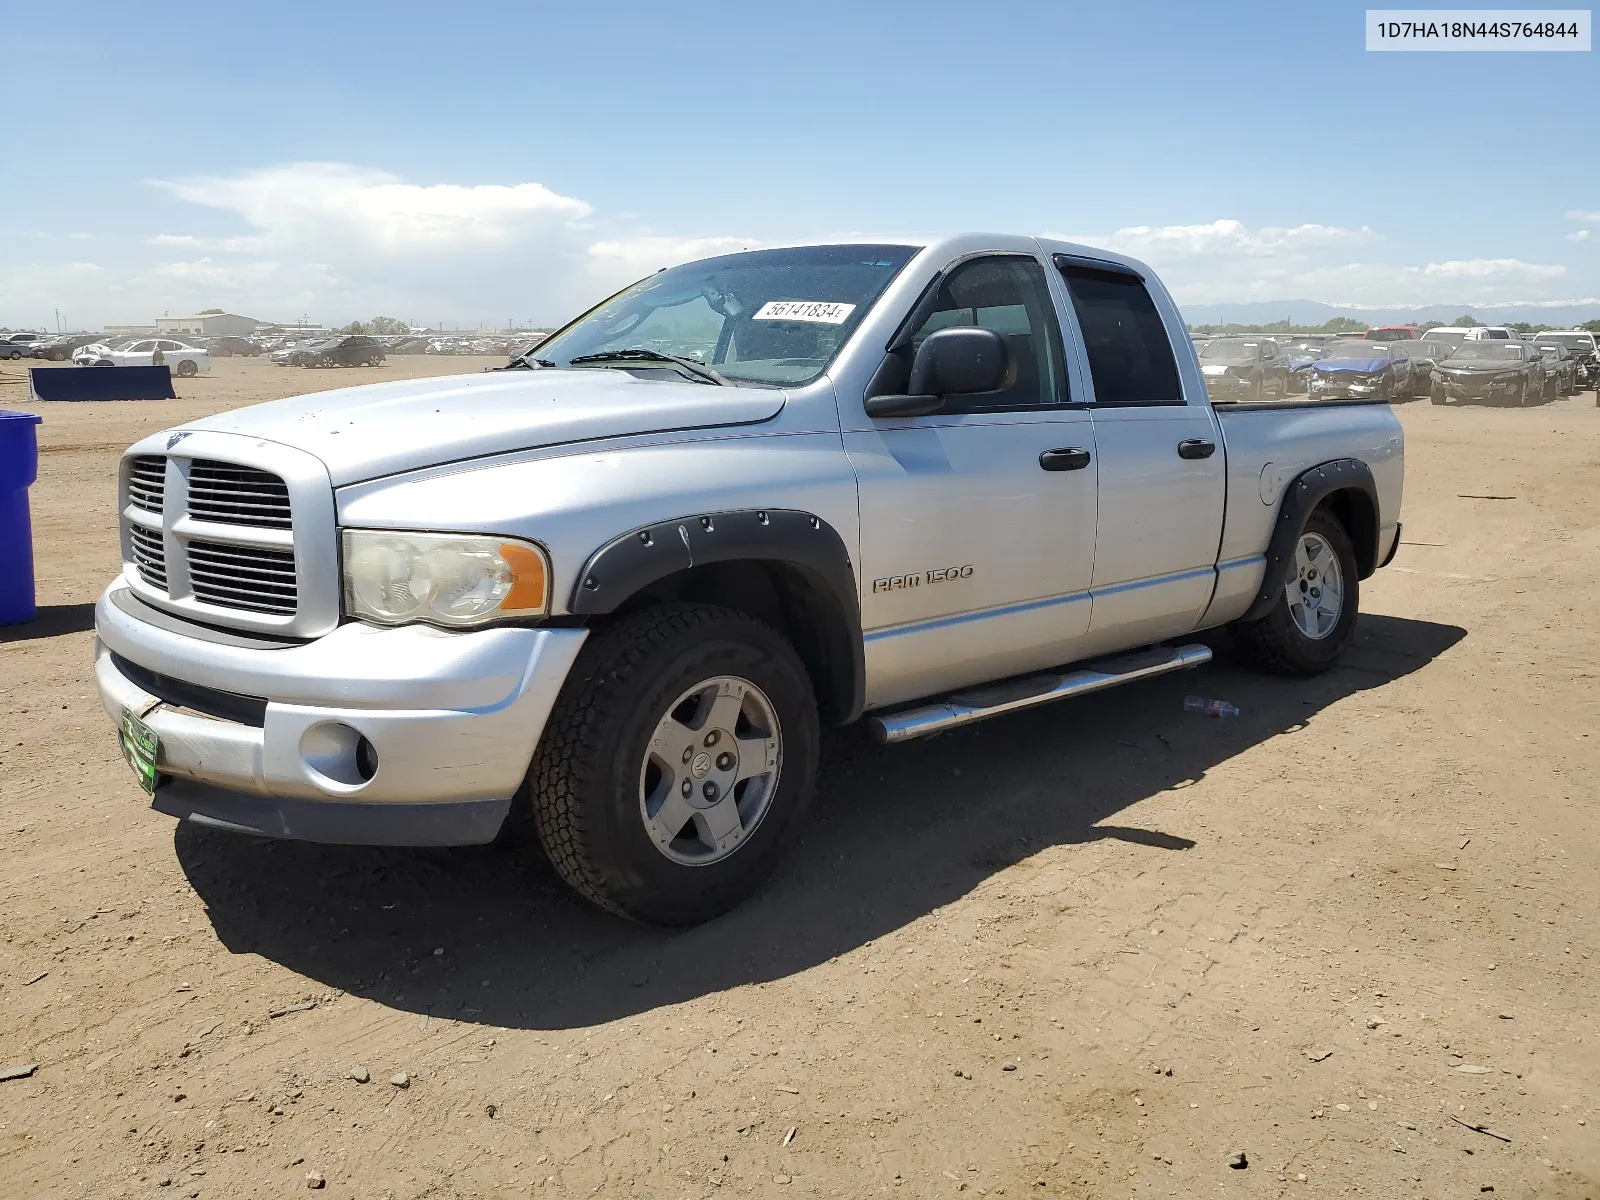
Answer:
(187, 368)
(1314, 618)
(677, 764)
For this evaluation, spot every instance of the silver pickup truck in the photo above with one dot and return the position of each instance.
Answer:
(622, 582)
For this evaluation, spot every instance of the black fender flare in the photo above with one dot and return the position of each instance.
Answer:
(634, 560)
(1300, 499)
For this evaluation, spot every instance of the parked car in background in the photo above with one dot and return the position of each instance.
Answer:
(181, 359)
(1560, 369)
(1357, 369)
(62, 348)
(1497, 372)
(1391, 333)
(283, 356)
(17, 345)
(351, 350)
(227, 347)
(1424, 356)
(1302, 357)
(1456, 334)
(1244, 369)
(1584, 348)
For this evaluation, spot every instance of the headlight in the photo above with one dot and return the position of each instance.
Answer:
(451, 579)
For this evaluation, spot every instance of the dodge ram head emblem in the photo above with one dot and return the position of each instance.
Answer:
(175, 439)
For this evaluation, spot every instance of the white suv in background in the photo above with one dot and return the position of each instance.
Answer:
(184, 361)
(1456, 334)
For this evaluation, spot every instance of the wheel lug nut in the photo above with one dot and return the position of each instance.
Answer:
(710, 790)
(724, 761)
(688, 789)
(711, 738)
(688, 753)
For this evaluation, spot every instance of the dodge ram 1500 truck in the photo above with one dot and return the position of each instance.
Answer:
(623, 581)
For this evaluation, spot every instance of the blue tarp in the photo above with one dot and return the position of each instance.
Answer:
(101, 383)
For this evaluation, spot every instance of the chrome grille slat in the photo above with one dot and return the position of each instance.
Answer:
(251, 578)
(234, 495)
(147, 482)
(149, 555)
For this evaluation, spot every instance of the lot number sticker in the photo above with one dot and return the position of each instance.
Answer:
(821, 312)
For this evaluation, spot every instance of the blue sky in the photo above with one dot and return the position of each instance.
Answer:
(500, 161)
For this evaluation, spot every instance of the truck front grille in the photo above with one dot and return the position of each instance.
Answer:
(249, 577)
(149, 555)
(234, 495)
(147, 482)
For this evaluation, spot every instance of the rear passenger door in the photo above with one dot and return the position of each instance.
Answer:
(1161, 464)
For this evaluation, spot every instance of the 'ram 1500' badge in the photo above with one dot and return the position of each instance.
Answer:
(899, 583)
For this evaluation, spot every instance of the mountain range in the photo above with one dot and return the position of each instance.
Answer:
(1314, 312)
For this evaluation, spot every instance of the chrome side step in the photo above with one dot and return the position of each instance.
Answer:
(981, 703)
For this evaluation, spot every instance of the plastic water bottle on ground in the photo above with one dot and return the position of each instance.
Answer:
(1211, 708)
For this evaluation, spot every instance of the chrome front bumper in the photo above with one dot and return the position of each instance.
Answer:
(450, 721)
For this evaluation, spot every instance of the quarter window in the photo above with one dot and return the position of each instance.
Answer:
(1010, 296)
(1130, 358)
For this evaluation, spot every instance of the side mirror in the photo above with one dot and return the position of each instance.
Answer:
(960, 361)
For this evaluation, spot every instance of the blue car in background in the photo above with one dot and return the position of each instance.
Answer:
(1361, 370)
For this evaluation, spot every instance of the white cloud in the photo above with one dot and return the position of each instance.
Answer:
(1581, 214)
(1227, 261)
(81, 237)
(1162, 245)
(295, 203)
(1581, 235)
(644, 254)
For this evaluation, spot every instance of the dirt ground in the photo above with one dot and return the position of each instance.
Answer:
(1094, 950)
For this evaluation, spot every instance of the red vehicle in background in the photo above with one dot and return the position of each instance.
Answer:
(1392, 333)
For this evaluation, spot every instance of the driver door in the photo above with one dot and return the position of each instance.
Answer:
(140, 354)
(978, 521)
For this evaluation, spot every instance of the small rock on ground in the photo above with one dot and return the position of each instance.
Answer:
(315, 1179)
(360, 1074)
(400, 1080)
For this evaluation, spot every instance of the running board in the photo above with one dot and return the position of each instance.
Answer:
(981, 703)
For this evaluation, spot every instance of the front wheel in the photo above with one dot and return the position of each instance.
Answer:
(1314, 618)
(187, 369)
(677, 764)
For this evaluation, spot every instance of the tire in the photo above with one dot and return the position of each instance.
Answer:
(1278, 642)
(187, 369)
(594, 779)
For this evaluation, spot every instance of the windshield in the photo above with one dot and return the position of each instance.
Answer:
(1390, 335)
(767, 317)
(1361, 349)
(1487, 352)
(1547, 350)
(1452, 336)
(1572, 341)
(1228, 352)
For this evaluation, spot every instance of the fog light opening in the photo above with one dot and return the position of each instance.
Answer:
(337, 757)
(366, 759)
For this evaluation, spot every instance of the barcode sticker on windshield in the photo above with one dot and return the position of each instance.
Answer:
(820, 311)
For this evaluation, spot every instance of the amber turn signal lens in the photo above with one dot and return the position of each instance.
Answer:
(529, 583)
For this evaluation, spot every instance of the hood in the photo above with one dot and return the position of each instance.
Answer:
(385, 428)
(1480, 367)
(1364, 366)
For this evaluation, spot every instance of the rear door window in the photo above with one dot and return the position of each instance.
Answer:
(1130, 357)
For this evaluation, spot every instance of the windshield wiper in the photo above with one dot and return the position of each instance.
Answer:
(698, 369)
(524, 362)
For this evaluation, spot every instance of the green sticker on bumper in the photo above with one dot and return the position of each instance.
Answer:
(141, 747)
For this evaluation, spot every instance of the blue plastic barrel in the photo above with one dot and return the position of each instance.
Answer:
(19, 467)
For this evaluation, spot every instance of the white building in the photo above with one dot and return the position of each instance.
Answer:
(208, 325)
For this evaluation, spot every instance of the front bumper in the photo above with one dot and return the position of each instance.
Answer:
(1466, 387)
(269, 740)
(1326, 387)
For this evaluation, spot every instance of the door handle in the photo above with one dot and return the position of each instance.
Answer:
(1196, 448)
(1069, 458)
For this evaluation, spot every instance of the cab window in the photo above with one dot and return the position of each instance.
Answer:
(1009, 295)
(1130, 357)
